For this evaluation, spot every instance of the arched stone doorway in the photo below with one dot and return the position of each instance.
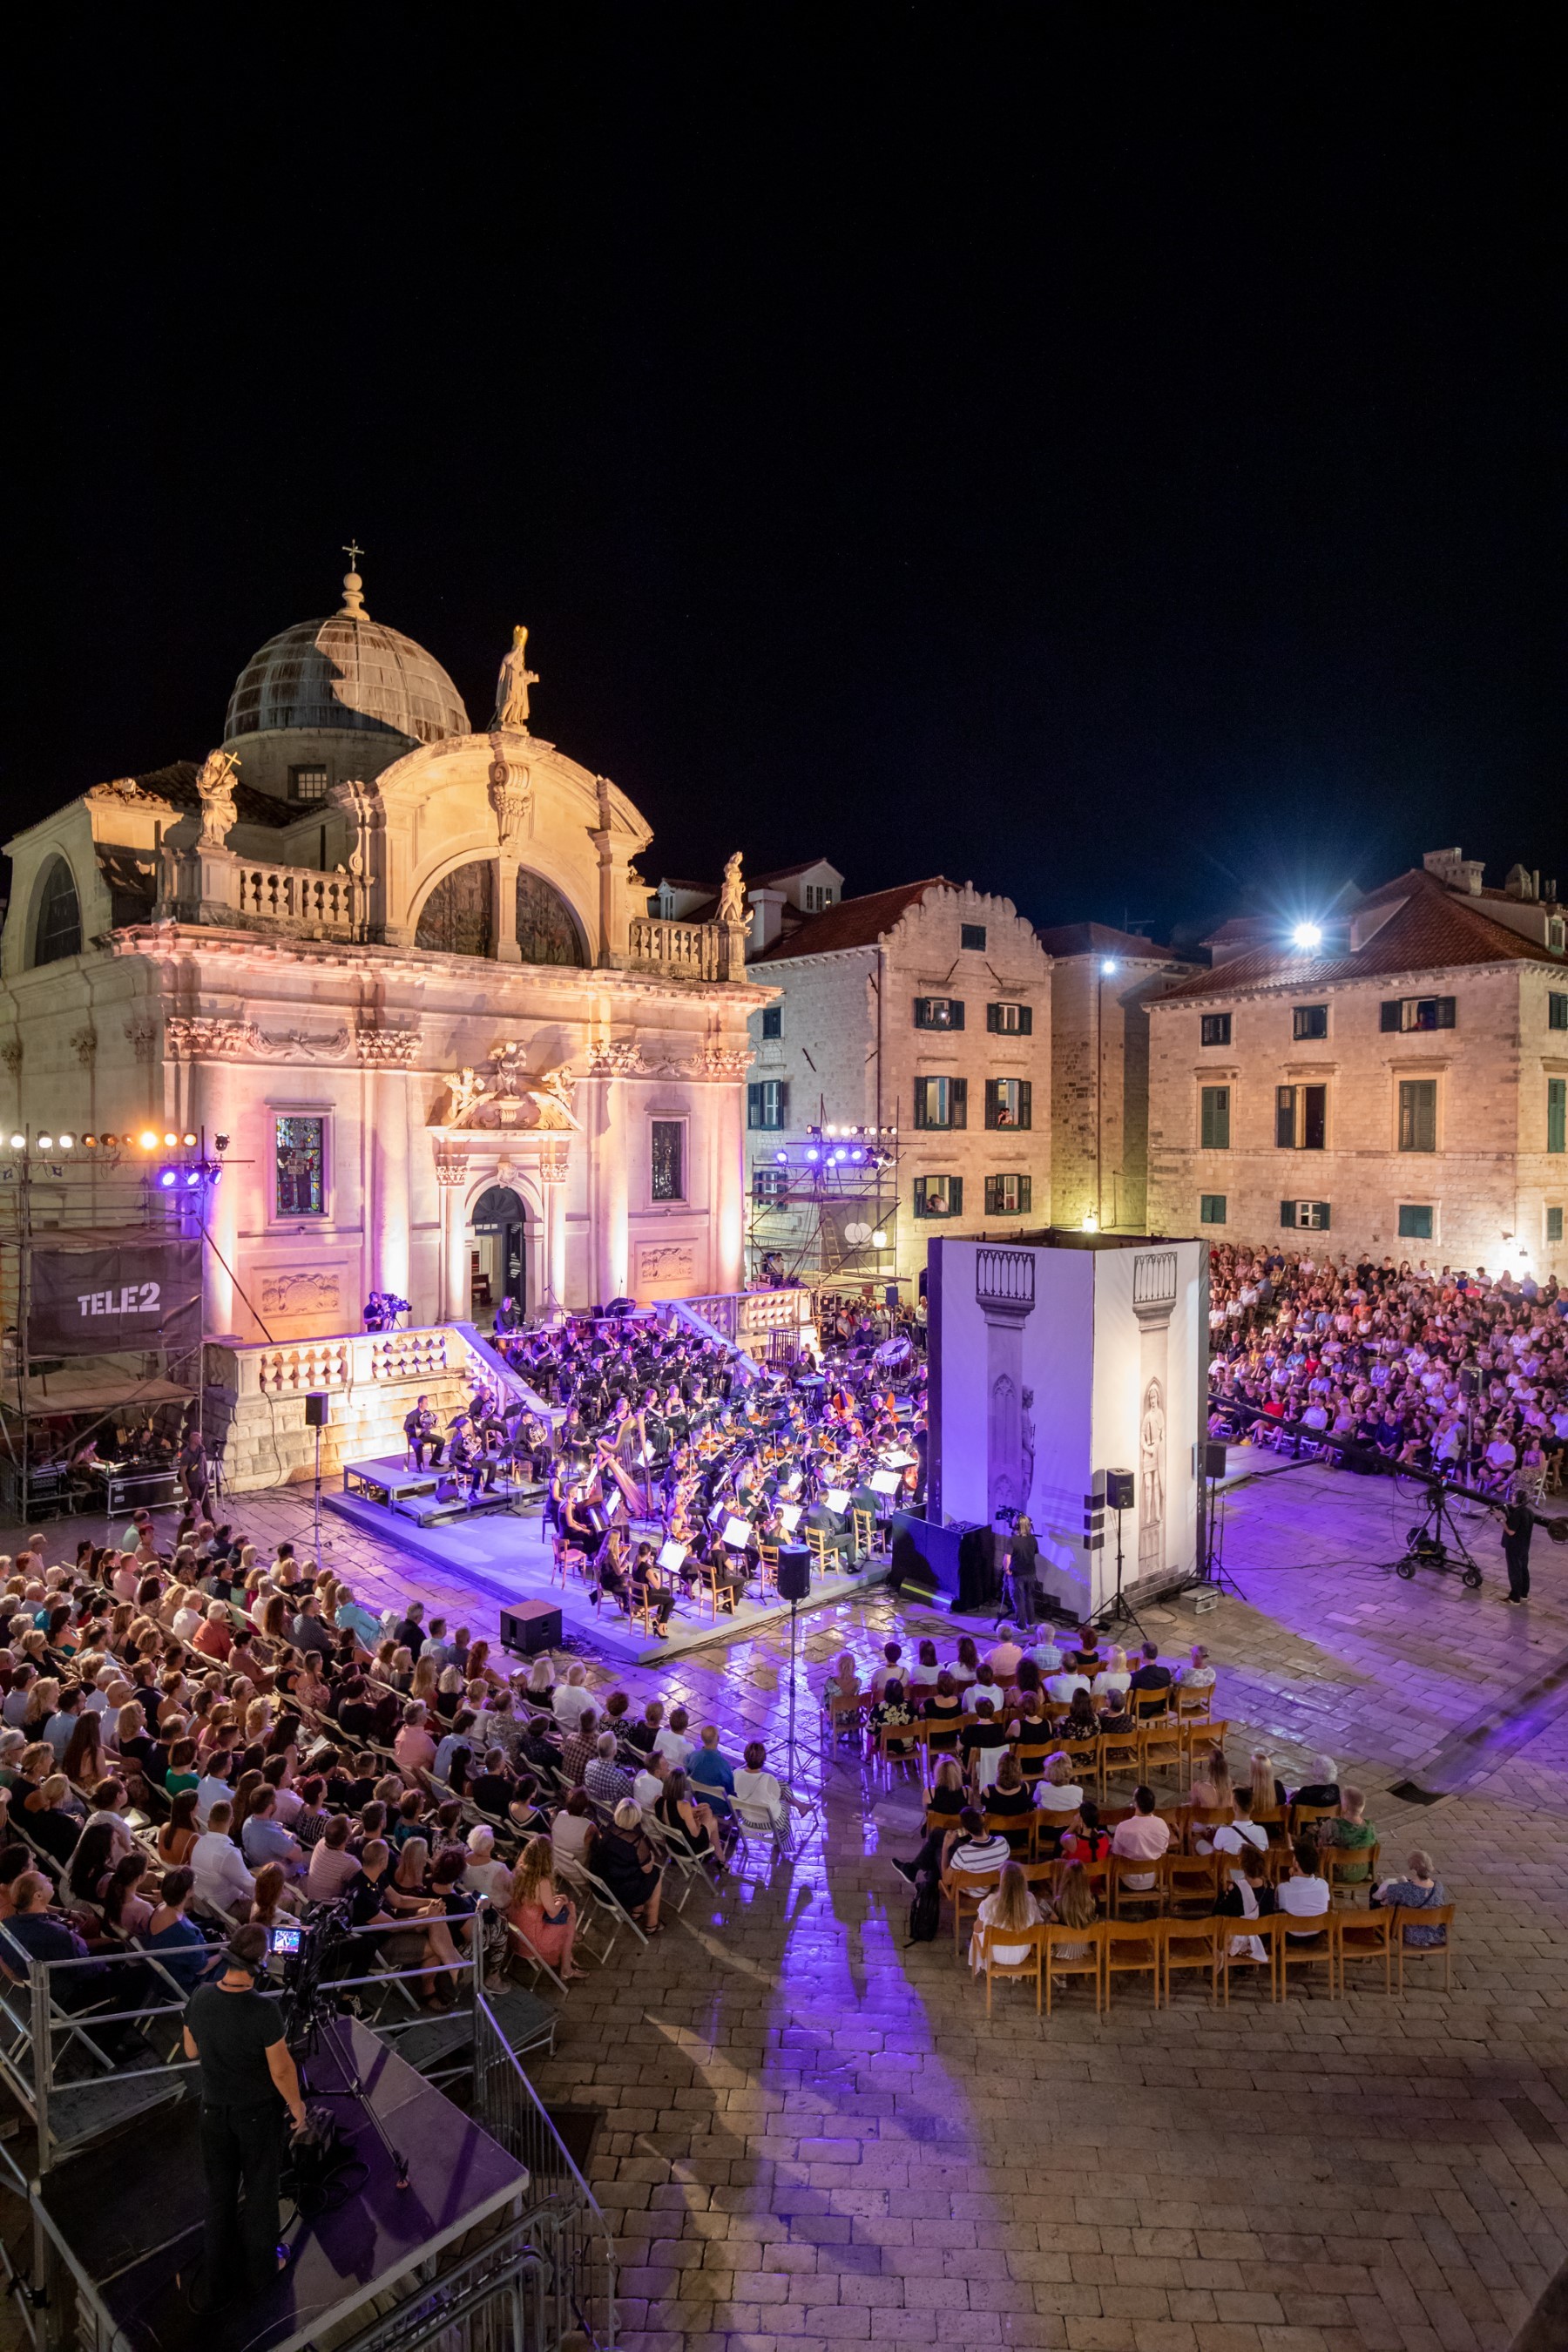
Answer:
(499, 1250)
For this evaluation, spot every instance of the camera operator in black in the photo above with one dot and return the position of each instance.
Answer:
(246, 2079)
(1518, 1524)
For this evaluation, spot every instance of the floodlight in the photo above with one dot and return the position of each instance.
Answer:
(878, 1239)
(813, 1154)
(1090, 1223)
(18, 1143)
(782, 1158)
(90, 1143)
(1109, 966)
(46, 1143)
(1307, 935)
(171, 1143)
(189, 1142)
(193, 1176)
(147, 1140)
(66, 1143)
(166, 1178)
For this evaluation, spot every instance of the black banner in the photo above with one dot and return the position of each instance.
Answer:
(96, 1302)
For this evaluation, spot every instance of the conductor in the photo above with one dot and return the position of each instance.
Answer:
(247, 2080)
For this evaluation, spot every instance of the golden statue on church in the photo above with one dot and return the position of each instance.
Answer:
(513, 685)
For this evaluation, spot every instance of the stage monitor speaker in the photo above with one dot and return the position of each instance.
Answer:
(1120, 1490)
(1213, 1460)
(531, 1626)
(318, 1410)
(794, 1571)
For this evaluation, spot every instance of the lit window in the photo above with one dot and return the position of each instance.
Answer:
(1211, 1208)
(1301, 1119)
(770, 1185)
(1010, 1020)
(1008, 1196)
(300, 1166)
(1009, 1102)
(1417, 1013)
(939, 1196)
(1216, 1029)
(941, 1102)
(307, 784)
(1305, 1216)
(1310, 1021)
(938, 1012)
(667, 1159)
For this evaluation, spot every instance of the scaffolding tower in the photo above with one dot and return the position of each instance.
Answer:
(826, 1209)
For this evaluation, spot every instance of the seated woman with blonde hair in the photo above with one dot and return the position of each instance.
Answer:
(546, 1919)
(1010, 1908)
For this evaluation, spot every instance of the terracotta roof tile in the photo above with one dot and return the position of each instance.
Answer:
(852, 923)
(1433, 928)
(1100, 939)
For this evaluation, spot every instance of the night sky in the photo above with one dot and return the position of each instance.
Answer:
(1115, 456)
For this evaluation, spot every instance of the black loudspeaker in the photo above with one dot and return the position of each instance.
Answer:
(1213, 1460)
(318, 1410)
(794, 1573)
(1120, 1490)
(531, 1626)
(1469, 1381)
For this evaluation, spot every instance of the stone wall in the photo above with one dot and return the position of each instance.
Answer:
(1100, 1089)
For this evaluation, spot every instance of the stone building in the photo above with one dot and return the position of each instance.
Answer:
(915, 1023)
(1397, 1083)
(401, 976)
(1102, 981)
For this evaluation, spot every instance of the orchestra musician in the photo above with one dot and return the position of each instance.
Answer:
(419, 1429)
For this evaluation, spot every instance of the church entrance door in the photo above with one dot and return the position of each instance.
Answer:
(500, 1256)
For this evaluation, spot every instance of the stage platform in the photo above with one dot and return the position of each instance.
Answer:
(386, 1480)
(507, 1558)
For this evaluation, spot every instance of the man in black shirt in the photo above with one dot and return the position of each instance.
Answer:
(1518, 1520)
(245, 2073)
(1153, 1681)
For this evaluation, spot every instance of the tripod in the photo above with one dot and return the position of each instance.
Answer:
(793, 1771)
(318, 1539)
(1118, 1609)
(1211, 1568)
(320, 2032)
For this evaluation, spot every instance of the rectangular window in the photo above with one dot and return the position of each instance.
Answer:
(939, 1196)
(1418, 1114)
(1213, 1119)
(1211, 1208)
(1556, 934)
(1417, 1013)
(1305, 1216)
(307, 784)
(1009, 1102)
(1216, 1029)
(1310, 1021)
(667, 1159)
(1008, 1196)
(773, 1020)
(769, 1184)
(1010, 1020)
(1301, 1119)
(299, 1151)
(818, 896)
(1557, 1011)
(938, 1012)
(767, 1102)
(1556, 1114)
(1554, 1224)
(941, 1102)
(971, 935)
(1415, 1220)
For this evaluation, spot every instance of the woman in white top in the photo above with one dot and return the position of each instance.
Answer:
(573, 1698)
(1115, 1676)
(187, 1619)
(1011, 1908)
(754, 1785)
(485, 1874)
(923, 1674)
(1198, 1675)
(1059, 1794)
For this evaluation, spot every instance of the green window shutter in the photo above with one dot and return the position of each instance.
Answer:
(1026, 1194)
(1288, 1213)
(1026, 1020)
(1556, 1114)
(1418, 1115)
(1214, 1124)
(1320, 1215)
(958, 1098)
(955, 1012)
(1285, 1118)
(955, 1196)
(1025, 1102)
(754, 1106)
(993, 1018)
(1446, 1007)
(1389, 1014)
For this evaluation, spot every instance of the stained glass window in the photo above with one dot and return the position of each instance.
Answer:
(458, 917)
(668, 1160)
(545, 930)
(300, 1157)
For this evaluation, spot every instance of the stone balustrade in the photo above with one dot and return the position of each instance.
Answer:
(204, 884)
(686, 950)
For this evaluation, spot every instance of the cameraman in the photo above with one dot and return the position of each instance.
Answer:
(246, 2072)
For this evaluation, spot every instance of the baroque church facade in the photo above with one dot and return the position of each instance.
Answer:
(401, 977)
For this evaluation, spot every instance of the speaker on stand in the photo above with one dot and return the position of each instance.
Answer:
(318, 1413)
(1121, 1494)
(794, 1586)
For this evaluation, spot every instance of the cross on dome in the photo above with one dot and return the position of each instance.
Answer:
(353, 600)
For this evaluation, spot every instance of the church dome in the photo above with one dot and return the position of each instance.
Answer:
(347, 672)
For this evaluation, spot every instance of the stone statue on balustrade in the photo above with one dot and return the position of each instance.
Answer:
(513, 685)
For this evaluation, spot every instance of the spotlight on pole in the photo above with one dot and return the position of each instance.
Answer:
(1109, 966)
(18, 1143)
(1307, 935)
(67, 1142)
(147, 1140)
(46, 1143)
(878, 1239)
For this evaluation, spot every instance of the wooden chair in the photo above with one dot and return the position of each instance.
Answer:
(1364, 1935)
(1231, 1960)
(1018, 1829)
(1123, 1868)
(1160, 1746)
(1130, 1949)
(1032, 1757)
(1083, 1754)
(1193, 1944)
(1337, 1860)
(971, 1888)
(1120, 1752)
(824, 1557)
(1298, 1950)
(1193, 1702)
(898, 1749)
(1305, 1817)
(1096, 1873)
(1275, 1820)
(1440, 1916)
(1019, 1970)
(769, 1575)
(864, 1524)
(1192, 1885)
(1091, 1963)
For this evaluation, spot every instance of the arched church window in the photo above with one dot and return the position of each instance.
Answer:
(458, 917)
(59, 932)
(546, 930)
(497, 1208)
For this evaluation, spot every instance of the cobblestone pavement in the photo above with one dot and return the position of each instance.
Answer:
(811, 2134)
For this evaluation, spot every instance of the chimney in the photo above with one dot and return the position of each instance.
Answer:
(1455, 870)
(767, 919)
(1521, 883)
